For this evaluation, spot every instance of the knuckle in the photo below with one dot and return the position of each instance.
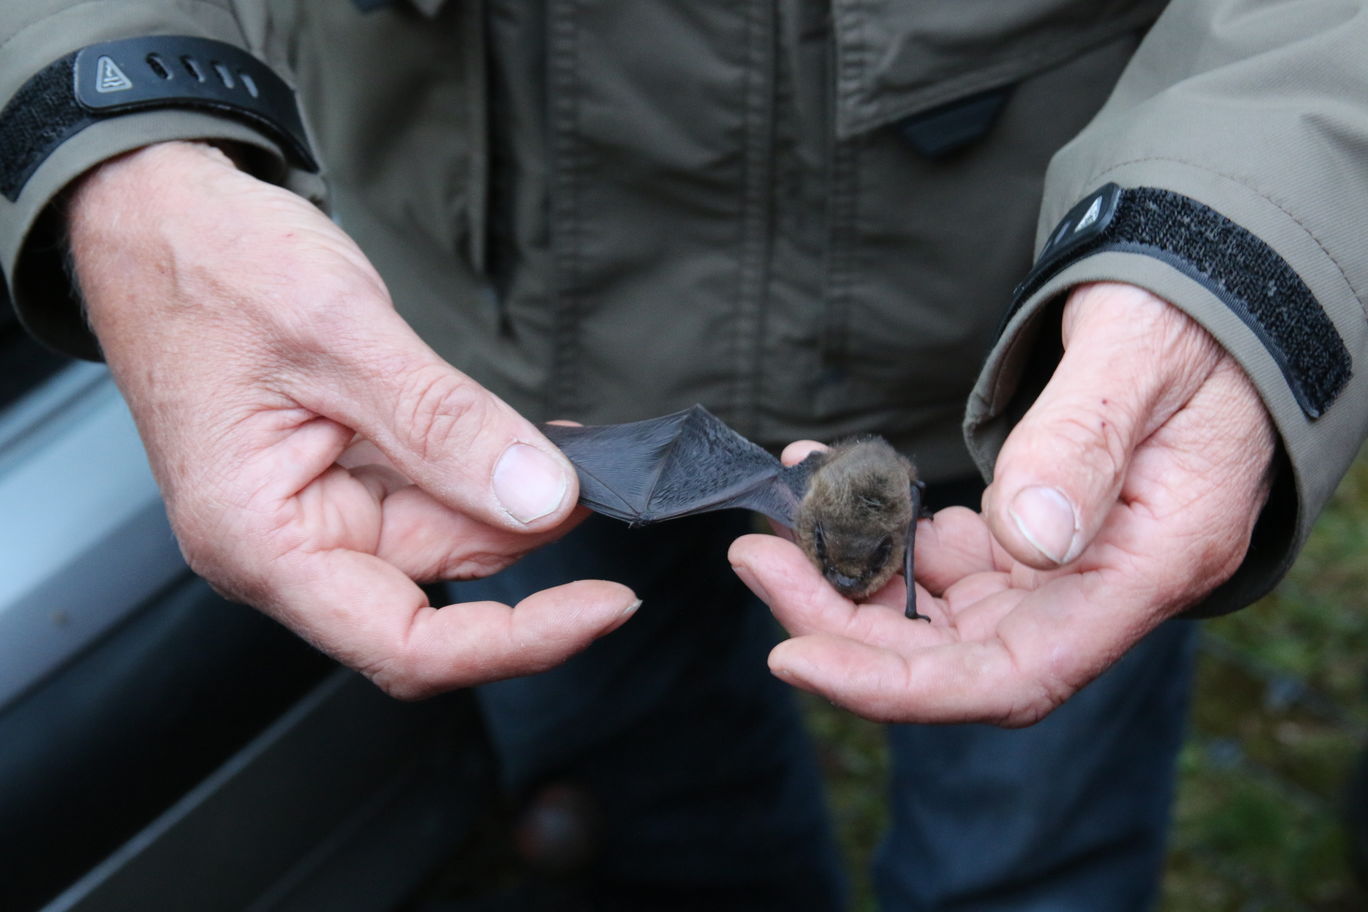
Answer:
(330, 320)
(443, 411)
(408, 690)
(397, 675)
(1095, 435)
(478, 565)
(1033, 709)
(212, 557)
(1040, 690)
(325, 319)
(401, 688)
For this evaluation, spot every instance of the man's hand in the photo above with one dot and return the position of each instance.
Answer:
(1127, 492)
(315, 456)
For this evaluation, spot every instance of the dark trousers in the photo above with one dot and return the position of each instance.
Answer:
(707, 792)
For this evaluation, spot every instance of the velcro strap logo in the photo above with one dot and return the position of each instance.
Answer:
(109, 78)
(1091, 216)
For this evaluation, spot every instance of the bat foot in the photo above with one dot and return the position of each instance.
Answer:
(913, 615)
(920, 510)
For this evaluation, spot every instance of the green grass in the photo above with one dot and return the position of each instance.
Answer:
(1278, 723)
(854, 757)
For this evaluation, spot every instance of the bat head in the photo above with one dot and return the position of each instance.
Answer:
(853, 519)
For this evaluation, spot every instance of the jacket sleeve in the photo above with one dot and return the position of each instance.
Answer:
(1237, 141)
(36, 37)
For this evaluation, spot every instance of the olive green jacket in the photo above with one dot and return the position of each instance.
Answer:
(808, 215)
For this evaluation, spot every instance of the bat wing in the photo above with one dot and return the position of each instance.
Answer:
(677, 465)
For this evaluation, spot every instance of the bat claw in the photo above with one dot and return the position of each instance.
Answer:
(920, 510)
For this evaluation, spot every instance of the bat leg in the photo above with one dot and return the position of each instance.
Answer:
(918, 510)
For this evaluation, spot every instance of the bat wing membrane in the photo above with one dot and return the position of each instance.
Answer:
(617, 464)
(677, 465)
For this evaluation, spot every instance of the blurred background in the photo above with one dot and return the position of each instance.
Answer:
(1267, 808)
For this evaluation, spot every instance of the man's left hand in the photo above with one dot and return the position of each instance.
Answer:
(1127, 493)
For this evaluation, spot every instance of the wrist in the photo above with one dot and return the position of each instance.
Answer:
(125, 220)
(133, 183)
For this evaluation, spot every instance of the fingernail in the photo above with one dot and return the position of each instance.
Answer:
(528, 483)
(1047, 520)
(632, 606)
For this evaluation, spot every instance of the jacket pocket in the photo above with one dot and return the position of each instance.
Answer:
(924, 248)
(896, 58)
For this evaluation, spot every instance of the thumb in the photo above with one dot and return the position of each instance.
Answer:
(449, 435)
(1130, 361)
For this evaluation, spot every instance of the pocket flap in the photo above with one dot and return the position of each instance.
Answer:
(426, 7)
(895, 58)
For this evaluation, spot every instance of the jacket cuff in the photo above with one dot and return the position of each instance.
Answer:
(1299, 348)
(37, 280)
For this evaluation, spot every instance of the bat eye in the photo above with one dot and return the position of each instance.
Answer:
(881, 553)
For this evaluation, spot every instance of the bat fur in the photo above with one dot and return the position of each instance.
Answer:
(854, 519)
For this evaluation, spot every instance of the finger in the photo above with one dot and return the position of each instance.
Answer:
(427, 539)
(799, 450)
(889, 685)
(1130, 361)
(803, 602)
(444, 431)
(430, 541)
(369, 616)
(411, 529)
(954, 543)
(959, 562)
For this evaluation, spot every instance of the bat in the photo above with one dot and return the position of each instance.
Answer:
(853, 508)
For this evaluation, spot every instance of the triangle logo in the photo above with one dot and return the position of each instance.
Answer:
(1090, 216)
(109, 78)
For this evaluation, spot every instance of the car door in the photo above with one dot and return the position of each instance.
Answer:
(161, 748)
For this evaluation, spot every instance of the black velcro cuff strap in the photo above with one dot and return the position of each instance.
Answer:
(1242, 271)
(138, 74)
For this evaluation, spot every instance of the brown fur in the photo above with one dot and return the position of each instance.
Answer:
(854, 517)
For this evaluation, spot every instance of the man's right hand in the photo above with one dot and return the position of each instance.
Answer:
(315, 456)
